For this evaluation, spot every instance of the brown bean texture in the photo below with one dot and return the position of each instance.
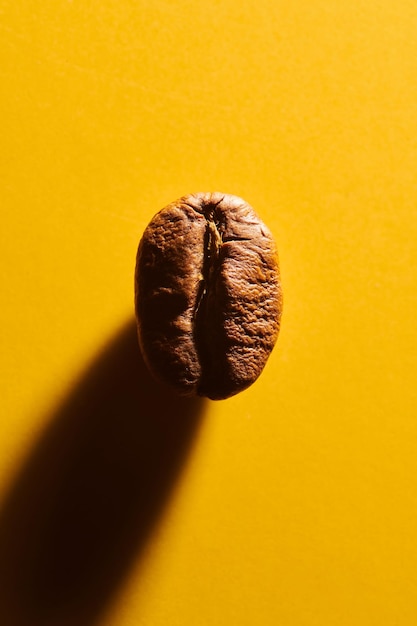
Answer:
(208, 295)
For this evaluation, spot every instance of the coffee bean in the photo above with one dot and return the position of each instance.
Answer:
(207, 294)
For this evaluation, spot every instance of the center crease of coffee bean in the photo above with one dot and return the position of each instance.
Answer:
(204, 318)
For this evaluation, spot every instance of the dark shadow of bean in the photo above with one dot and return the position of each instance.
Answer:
(91, 491)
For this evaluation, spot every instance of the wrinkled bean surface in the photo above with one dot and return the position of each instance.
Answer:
(208, 295)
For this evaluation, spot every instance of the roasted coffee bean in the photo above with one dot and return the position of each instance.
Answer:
(208, 295)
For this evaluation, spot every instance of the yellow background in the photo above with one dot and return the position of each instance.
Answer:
(294, 503)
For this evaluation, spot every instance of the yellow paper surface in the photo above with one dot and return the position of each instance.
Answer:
(293, 503)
